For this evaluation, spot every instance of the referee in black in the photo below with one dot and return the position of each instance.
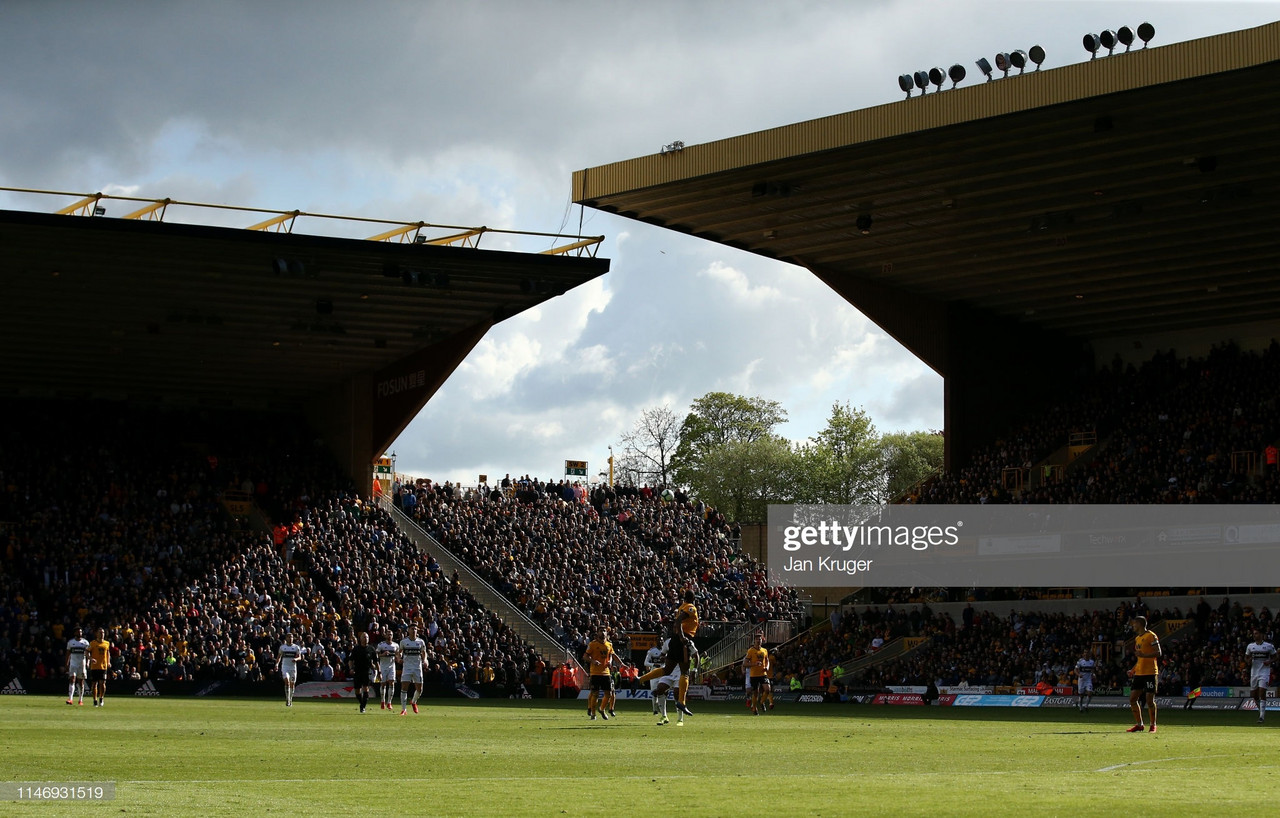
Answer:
(362, 660)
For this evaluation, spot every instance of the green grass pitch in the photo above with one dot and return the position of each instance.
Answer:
(240, 757)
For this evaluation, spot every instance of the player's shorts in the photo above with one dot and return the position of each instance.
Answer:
(1144, 684)
(602, 683)
(363, 679)
(746, 683)
(762, 682)
(411, 677)
(1084, 685)
(1260, 679)
(98, 675)
(76, 673)
(388, 673)
(289, 675)
(680, 650)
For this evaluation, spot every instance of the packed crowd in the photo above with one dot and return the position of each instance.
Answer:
(1027, 649)
(1167, 431)
(616, 559)
(131, 536)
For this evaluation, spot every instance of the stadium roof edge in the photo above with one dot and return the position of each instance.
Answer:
(1142, 68)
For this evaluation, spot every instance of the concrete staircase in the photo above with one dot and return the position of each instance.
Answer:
(528, 630)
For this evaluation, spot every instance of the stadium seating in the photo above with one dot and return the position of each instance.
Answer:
(619, 563)
(127, 532)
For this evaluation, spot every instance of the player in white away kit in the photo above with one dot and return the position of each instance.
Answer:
(287, 666)
(387, 651)
(77, 665)
(663, 684)
(1261, 652)
(1084, 680)
(413, 662)
(656, 657)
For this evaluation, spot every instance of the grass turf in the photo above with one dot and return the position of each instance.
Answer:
(235, 756)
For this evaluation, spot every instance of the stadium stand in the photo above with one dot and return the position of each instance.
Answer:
(620, 563)
(1167, 431)
(128, 533)
(1023, 649)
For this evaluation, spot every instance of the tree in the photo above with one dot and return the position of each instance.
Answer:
(742, 477)
(908, 458)
(842, 465)
(719, 418)
(648, 448)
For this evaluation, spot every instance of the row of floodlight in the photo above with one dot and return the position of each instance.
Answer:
(1124, 36)
(1004, 61)
(1108, 39)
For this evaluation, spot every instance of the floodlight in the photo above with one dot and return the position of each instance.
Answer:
(1002, 62)
(922, 80)
(1125, 35)
(1036, 55)
(956, 74)
(864, 224)
(1092, 44)
(1019, 59)
(905, 83)
(1146, 32)
(1108, 40)
(984, 67)
(937, 77)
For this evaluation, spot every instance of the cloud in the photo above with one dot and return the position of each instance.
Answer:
(739, 287)
(476, 114)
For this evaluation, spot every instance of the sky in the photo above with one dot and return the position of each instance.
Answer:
(478, 113)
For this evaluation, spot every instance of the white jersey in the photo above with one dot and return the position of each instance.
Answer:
(654, 658)
(289, 656)
(1084, 674)
(414, 652)
(1085, 668)
(79, 650)
(387, 660)
(1261, 653)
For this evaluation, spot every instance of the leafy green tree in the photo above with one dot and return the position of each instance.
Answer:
(742, 477)
(908, 458)
(719, 418)
(843, 461)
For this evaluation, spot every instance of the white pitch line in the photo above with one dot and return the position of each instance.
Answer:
(1114, 767)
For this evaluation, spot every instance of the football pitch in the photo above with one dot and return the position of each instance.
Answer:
(238, 757)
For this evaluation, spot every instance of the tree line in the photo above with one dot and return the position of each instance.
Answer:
(727, 453)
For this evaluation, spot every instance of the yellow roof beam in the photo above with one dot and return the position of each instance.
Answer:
(399, 232)
(149, 212)
(84, 207)
(277, 222)
(459, 237)
(593, 243)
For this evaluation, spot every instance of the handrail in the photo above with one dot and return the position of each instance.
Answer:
(485, 593)
(90, 205)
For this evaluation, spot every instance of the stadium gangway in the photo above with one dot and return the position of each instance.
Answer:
(730, 650)
(488, 596)
(893, 649)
